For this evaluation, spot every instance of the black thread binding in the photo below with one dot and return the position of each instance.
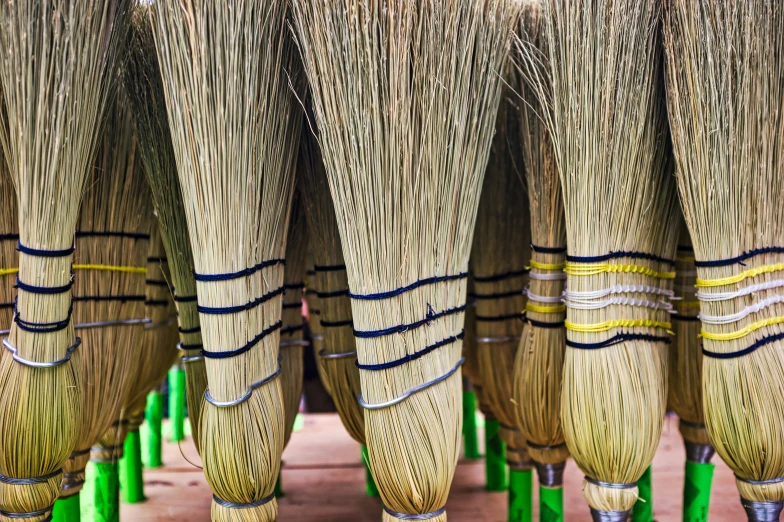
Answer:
(500, 277)
(739, 259)
(157, 259)
(757, 345)
(189, 330)
(411, 357)
(416, 284)
(291, 329)
(109, 298)
(336, 293)
(43, 290)
(184, 298)
(43, 253)
(685, 249)
(499, 318)
(243, 349)
(335, 324)
(129, 235)
(289, 306)
(618, 255)
(245, 272)
(32, 327)
(156, 302)
(328, 268)
(548, 250)
(431, 316)
(155, 282)
(617, 339)
(687, 318)
(497, 295)
(223, 310)
(544, 324)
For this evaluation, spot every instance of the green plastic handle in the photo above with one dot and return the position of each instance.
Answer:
(550, 504)
(696, 491)
(521, 495)
(152, 443)
(495, 457)
(370, 483)
(106, 499)
(643, 508)
(279, 486)
(132, 478)
(470, 437)
(67, 509)
(177, 403)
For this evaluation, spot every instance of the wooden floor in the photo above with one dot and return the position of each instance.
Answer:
(323, 479)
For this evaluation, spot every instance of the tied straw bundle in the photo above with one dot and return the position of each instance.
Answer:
(9, 235)
(143, 82)
(685, 390)
(612, 159)
(337, 353)
(112, 236)
(235, 151)
(498, 268)
(405, 96)
(314, 312)
(725, 92)
(55, 69)
(539, 364)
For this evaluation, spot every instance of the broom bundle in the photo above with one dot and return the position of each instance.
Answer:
(291, 342)
(337, 353)
(725, 87)
(405, 96)
(144, 85)
(604, 111)
(539, 364)
(235, 151)
(112, 236)
(55, 69)
(9, 235)
(499, 256)
(314, 312)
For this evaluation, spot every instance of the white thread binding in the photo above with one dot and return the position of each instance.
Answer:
(726, 296)
(751, 309)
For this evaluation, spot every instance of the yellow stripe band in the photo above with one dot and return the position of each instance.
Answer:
(558, 309)
(737, 278)
(8, 271)
(687, 305)
(111, 268)
(743, 332)
(545, 266)
(589, 269)
(618, 323)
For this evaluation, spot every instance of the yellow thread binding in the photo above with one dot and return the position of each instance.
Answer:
(545, 266)
(618, 323)
(737, 278)
(8, 271)
(589, 269)
(110, 268)
(557, 309)
(743, 332)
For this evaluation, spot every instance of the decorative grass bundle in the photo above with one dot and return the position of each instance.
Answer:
(337, 354)
(235, 152)
(725, 93)
(144, 85)
(55, 70)
(603, 107)
(499, 256)
(113, 237)
(291, 341)
(405, 96)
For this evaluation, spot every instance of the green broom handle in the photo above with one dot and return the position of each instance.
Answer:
(643, 508)
(152, 443)
(67, 509)
(696, 491)
(495, 457)
(370, 483)
(132, 478)
(470, 437)
(279, 485)
(521, 492)
(177, 402)
(106, 492)
(551, 504)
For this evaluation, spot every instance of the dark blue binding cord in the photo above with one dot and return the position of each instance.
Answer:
(431, 316)
(497, 295)
(44, 290)
(548, 250)
(416, 284)
(128, 235)
(617, 339)
(157, 259)
(335, 324)
(741, 258)
(619, 255)
(544, 324)
(336, 293)
(328, 268)
(757, 345)
(500, 277)
(32, 327)
(499, 318)
(411, 357)
(184, 298)
(243, 349)
(43, 253)
(245, 272)
(223, 310)
(189, 330)
(155, 282)
(123, 298)
(291, 329)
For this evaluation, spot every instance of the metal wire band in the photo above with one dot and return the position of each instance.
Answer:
(491, 340)
(119, 322)
(341, 355)
(544, 447)
(549, 276)
(193, 358)
(33, 364)
(425, 516)
(777, 480)
(232, 505)
(254, 386)
(79, 453)
(610, 485)
(31, 514)
(297, 342)
(317, 337)
(410, 392)
(28, 481)
(159, 324)
(544, 298)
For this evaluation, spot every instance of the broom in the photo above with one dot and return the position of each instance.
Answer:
(144, 85)
(470, 367)
(338, 352)
(539, 363)
(108, 292)
(611, 155)
(55, 68)
(405, 96)
(9, 235)
(685, 392)
(498, 264)
(725, 92)
(235, 152)
(314, 312)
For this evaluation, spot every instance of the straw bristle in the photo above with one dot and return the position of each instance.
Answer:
(539, 364)
(725, 86)
(499, 256)
(235, 126)
(314, 313)
(55, 68)
(341, 375)
(405, 96)
(117, 201)
(144, 85)
(291, 372)
(9, 234)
